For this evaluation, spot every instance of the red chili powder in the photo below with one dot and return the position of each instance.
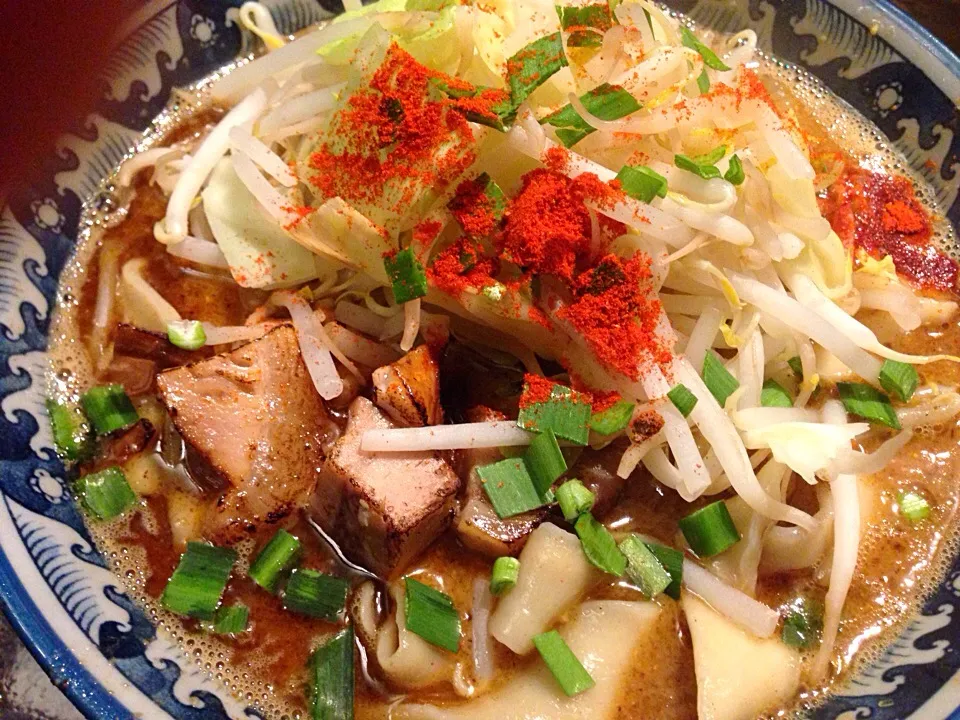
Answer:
(461, 266)
(299, 213)
(899, 216)
(616, 312)
(424, 233)
(556, 159)
(483, 104)
(750, 86)
(392, 133)
(473, 209)
(600, 400)
(548, 227)
(535, 314)
(536, 389)
(880, 213)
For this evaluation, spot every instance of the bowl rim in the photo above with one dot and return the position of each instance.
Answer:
(926, 45)
(60, 660)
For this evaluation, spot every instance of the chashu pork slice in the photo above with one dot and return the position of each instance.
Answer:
(255, 424)
(383, 509)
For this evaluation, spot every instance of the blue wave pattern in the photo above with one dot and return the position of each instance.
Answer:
(184, 40)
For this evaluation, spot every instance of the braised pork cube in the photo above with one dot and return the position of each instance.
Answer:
(408, 390)
(253, 418)
(383, 508)
(477, 524)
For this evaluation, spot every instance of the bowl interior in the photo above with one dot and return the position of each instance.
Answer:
(99, 647)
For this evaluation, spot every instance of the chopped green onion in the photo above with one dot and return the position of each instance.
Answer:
(671, 560)
(599, 546)
(330, 687)
(774, 394)
(795, 632)
(575, 499)
(710, 58)
(274, 560)
(705, 165)
(506, 570)
(717, 378)
(913, 506)
(586, 23)
(458, 90)
(687, 163)
(796, 365)
(71, 430)
(105, 494)
(642, 183)
(495, 117)
(614, 419)
(108, 408)
(643, 568)
(544, 461)
(703, 82)
(430, 614)
(196, 586)
(566, 412)
(607, 102)
(684, 400)
(690, 165)
(509, 487)
(231, 619)
(407, 276)
(533, 65)
(186, 334)
(427, 5)
(899, 379)
(316, 594)
(734, 173)
(595, 16)
(710, 530)
(490, 199)
(802, 625)
(869, 403)
(712, 157)
(564, 665)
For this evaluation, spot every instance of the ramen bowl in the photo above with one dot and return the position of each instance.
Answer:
(101, 648)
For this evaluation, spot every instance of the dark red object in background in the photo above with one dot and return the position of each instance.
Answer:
(49, 53)
(938, 16)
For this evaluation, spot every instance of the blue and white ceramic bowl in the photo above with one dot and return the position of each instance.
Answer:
(100, 648)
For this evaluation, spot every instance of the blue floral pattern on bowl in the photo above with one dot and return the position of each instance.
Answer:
(97, 645)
